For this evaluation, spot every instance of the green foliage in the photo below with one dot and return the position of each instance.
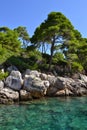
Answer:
(28, 60)
(3, 75)
(34, 55)
(9, 39)
(54, 30)
(58, 57)
(68, 50)
(23, 35)
(76, 67)
(17, 61)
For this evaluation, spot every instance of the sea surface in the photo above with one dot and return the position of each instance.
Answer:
(45, 114)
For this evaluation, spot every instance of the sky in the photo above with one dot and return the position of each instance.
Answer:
(31, 13)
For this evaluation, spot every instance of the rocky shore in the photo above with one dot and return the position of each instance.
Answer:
(33, 84)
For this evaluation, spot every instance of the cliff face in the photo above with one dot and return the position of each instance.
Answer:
(33, 84)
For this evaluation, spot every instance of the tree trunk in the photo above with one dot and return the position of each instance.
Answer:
(43, 48)
(51, 56)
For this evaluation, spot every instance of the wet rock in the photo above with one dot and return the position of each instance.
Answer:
(25, 95)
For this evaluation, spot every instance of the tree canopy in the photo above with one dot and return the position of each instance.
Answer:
(55, 30)
(55, 45)
(23, 36)
(9, 39)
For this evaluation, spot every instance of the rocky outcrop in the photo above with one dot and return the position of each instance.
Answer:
(13, 83)
(8, 96)
(14, 80)
(1, 85)
(25, 95)
(67, 87)
(83, 78)
(28, 72)
(33, 84)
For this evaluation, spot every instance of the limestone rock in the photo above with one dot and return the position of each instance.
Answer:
(83, 77)
(25, 95)
(35, 86)
(13, 83)
(17, 74)
(28, 72)
(56, 84)
(60, 93)
(8, 96)
(1, 84)
(43, 76)
(35, 73)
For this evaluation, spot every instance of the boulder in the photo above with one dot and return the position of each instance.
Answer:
(47, 84)
(17, 74)
(83, 77)
(8, 96)
(28, 82)
(1, 84)
(35, 86)
(68, 92)
(60, 93)
(51, 79)
(13, 83)
(25, 95)
(35, 73)
(12, 68)
(56, 84)
(78, 87)
(14, 80)
(43, 76)
(28, 72)
(66, 86)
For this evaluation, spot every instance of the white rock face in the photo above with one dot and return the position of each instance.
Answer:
(35, 73)
(43, 76)
(25, 95)
(28, 72)
(17, 74)
(35, 86)
(1, 84)
(9, 94)
(83, 77)
(14, 80)
(13, 83)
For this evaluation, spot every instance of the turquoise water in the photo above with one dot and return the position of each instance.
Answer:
(46, 114)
